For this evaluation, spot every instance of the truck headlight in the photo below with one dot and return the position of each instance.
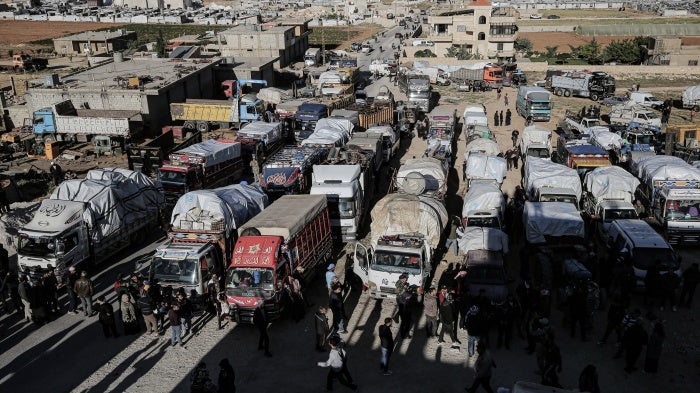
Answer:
(372, 286)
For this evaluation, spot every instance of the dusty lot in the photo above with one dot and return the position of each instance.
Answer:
(20, 31)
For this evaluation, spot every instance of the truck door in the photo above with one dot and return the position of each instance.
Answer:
(362, 262)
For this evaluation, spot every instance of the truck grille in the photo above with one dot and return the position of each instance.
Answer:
(387, 289)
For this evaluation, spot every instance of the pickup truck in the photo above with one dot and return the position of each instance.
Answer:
(625, 114)
(575, 124)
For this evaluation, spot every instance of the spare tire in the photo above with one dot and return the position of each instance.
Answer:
(250, 232)
(414, 183)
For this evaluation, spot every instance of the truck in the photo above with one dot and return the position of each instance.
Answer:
(417, 88)
(573, 123)
(474, 115)
(553, 222)
(547, 181)
(534, 103)
(625, 114)
(370, 143)
(405, 232)
(480, 76)
(440, 134)
(436, 75)
(306, 117)
(691, 98)
(149, 156)
(645, 99)
(422, 176)
(292, 234)
(671, 194)
(88, 221)
(289, 170)
(373, 115)
(608, 193)
(482, 168)
(239, 108)
(580, 155)
(685, 136)
(593, 85)
(63, 122)
(613, 144)
(259, 139)
(312, 57)
(485, 268)
(484, 206)
(207, 164)
(25, 62)
(390, 140)
(202, 233)
(535, 141)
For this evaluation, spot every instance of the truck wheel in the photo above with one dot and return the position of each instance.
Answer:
(189, 125)
(557, 92)
(594, 97)
(202, 126)
(567, 93)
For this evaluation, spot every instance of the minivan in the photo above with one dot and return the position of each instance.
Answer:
(645, 247)
(645, 99)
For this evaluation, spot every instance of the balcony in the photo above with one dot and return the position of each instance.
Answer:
(500, 53)
(440, 37)
(502, 38)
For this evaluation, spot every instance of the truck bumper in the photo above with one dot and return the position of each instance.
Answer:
(541, 117)
(381, 295)
(684, 235)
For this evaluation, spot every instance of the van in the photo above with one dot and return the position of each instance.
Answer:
(312, 57)
(645, 99)
(646, 248)
(423, 43)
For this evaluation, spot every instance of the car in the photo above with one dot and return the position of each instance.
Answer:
(390, 16)
(402, 22)
(422, 12)
(366, 48)
(423, 43)
(535, 16)
(553, 17)
(615, 100)
(355, 47)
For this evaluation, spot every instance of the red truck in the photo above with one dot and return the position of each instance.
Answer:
(294, 231)
(207, 164)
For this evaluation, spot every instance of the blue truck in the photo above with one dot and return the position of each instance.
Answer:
(306, 117)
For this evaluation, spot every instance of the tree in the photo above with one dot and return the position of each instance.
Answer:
(590, 52)
(551, 50)
(460, 52)
(523, 45)
(160, 44)
(425, 53)
(623, 51)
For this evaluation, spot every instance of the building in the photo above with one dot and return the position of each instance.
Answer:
(673, 51)
(285, 42)
(154, 4)
(94, 42)
(146, 84)
(474, 26)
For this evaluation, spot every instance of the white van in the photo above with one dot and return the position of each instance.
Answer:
(423, 43)
(645, 99)
(645, 246)
(312, 57)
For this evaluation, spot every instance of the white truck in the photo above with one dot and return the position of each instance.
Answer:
(312, 57)
(406, 231)
(90, 220)
(547, 181)
(422, 176)
(575, 124)
(484, 206)
(625, 114)
(612, 143)
(536, 141)
(390, 140)
(474, 115)
(482, 146)
(691, 98)
(645, 99)
(608, 195)
(203, 230)
(546, 221)
(482, 168)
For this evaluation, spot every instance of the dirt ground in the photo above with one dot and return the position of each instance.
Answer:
(20, 31)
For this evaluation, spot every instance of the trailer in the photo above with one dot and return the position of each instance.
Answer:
(149, 156)
(289, 170)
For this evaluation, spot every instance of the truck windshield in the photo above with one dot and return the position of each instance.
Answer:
(484, 222)
(646, 257)
(341, 207)
(37, 246)
(250, 279)
(558, 198)
(651, 115)
(179, 271)
(593, 123)
(620, 214)
(396, 261)
(540, 105)
(419, 94)
(539, 153)
(172, 177)
(682, 210)
(640, 139)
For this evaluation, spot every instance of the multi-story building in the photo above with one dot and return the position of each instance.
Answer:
(286, 42)
(475, 26)
(673, 51)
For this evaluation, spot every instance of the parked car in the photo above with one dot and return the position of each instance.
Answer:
(355, 47)
(615, 100)
(535, 16)
(402, 22)
(390, 16)
(553, 17)
(366, 48)
(398, 35)
(423, 43)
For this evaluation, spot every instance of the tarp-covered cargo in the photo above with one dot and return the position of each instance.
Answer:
(287, 216)
(273, 95)
(607, 140)
(262, 131)
(478, 238)
(209, 152)
(334, 123)
(551, 219)
(233, 205)
(148, 189)
(433, 172)
(326, 137)
(483, 197)
(486, 167)
(403, 214)
(609, 180)
(544, 173)
(691, 94)
(672, 172)
(482, 145)
(642, 164)
(535, 135)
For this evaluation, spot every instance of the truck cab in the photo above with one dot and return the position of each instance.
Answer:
(187, 265)
(678, 210)
(556, 194)
(343, 186)
(609, 210)
(486, 271)
(380, 267)
(306, 118)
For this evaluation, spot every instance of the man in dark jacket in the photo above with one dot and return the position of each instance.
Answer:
(635, 338)
(50, 284)
(69, 280)
(84, 289)
(185, 312)
(260, 321)
(447, 317)
(475, 322)
(227, 378)
(175, 325)
(145, 304)
(691, 278)
(387, 344)
(338, 309)
(322, 328)
(106, 317)
(25, 291)
(430, 309)
(40, 314)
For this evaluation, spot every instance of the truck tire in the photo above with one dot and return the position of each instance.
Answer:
(202, 126)
(594, 96)
(567, 93)
(558, 92)
(189, 125)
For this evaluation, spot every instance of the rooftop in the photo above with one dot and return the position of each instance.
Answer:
(253, 63)
(97, 35)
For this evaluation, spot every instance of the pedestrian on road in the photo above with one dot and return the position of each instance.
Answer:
(330, 277)
(430, 309)
(516, 156)
(475, 323)
(69, 280)
(105, 314)
(201, 382)
(635, 338)
(403, 299)
(505, 99)
(175, 325)
(654, 347)
(146, 306)
(452, 237)
(322, 328)
(498, 93)
(338, 309)
(84, 289)
(551, 364)
(588, 380)
(387, 345)
(692, 115)
(506, 314)
(185, 312)
(260, 322)
(24, 291)
(500, 118)
(38, 302)
(669, 285)
(509, 158)
(447, 317)
(616, 312)
(495, 119)
(128, 315)
(57, 173)
(691, 278)
(483, 369)
(227, 378)
(335, 363)
(50, 284)
(508, 117)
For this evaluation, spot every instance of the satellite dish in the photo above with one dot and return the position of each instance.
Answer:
(414, 183)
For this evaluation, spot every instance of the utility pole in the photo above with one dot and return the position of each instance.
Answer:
(323, 41)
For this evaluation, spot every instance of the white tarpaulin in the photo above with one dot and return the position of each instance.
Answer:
(606, 140)
(482, 145)
(326, 137)
(545, 173)
(672, 172)
(334, 123)
(330, 78)
(483, 197)
(150, 192)
(235, 205)
(691, 94)
(478, 238)
(643, 164)
(554, 219)
(273, 95)
(432, 169)
(608, 180)
(403, 214)
(474, 115)
(535, 135)
(213, 152)
(485, 167)
(262, 131)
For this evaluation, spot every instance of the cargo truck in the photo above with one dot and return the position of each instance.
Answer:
(625, 114)
(405, 232)
(202, 233)
(580, 155)
(608, 193)
(306, 117)
(149, 156)
(691, 98)
(422, 176)
(390, 140)
(291, 234)
(370, 143)
(547, 181)
(483, 168)
(259, 139)
(484, 206)
(417, 89)
(593, 85)
(289, 170)
(87, 222)
(536, 141)
(207, 164)
(534, 103)
(482, 76)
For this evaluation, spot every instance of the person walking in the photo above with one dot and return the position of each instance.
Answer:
(498, 93)
(335, 363)
(500, 118)
(551, 364)
(105, 315)
(691, 278)
(200, 380)
(430, 309)
(475, 323)
(506, 315)
(654, 347)
(616, 312)
(227, 377)
(84, 289)
(57, 173)
(338, 309)
(146, 305)
(669, 285)
(128, 315)
(175, 325)
(516, 156)
(634, 339)
(24, 290)
(495, 119)
(403, 299)
(185, 311)
(387, 345)
(447, 317)
(509, 114)
(509, 158)
(692, 115)
(69, 280)
(588, 380)
(322, 328)
(260, 322)
(505, 99)
(39, 303)
(452, 237)
(483, 369)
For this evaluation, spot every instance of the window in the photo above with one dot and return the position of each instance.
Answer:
(499, 46)
(481, 36)
(482, 20)
(693, 63)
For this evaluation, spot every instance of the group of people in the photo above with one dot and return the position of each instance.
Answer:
(592, 111)
(500, 120)
(200, 381)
